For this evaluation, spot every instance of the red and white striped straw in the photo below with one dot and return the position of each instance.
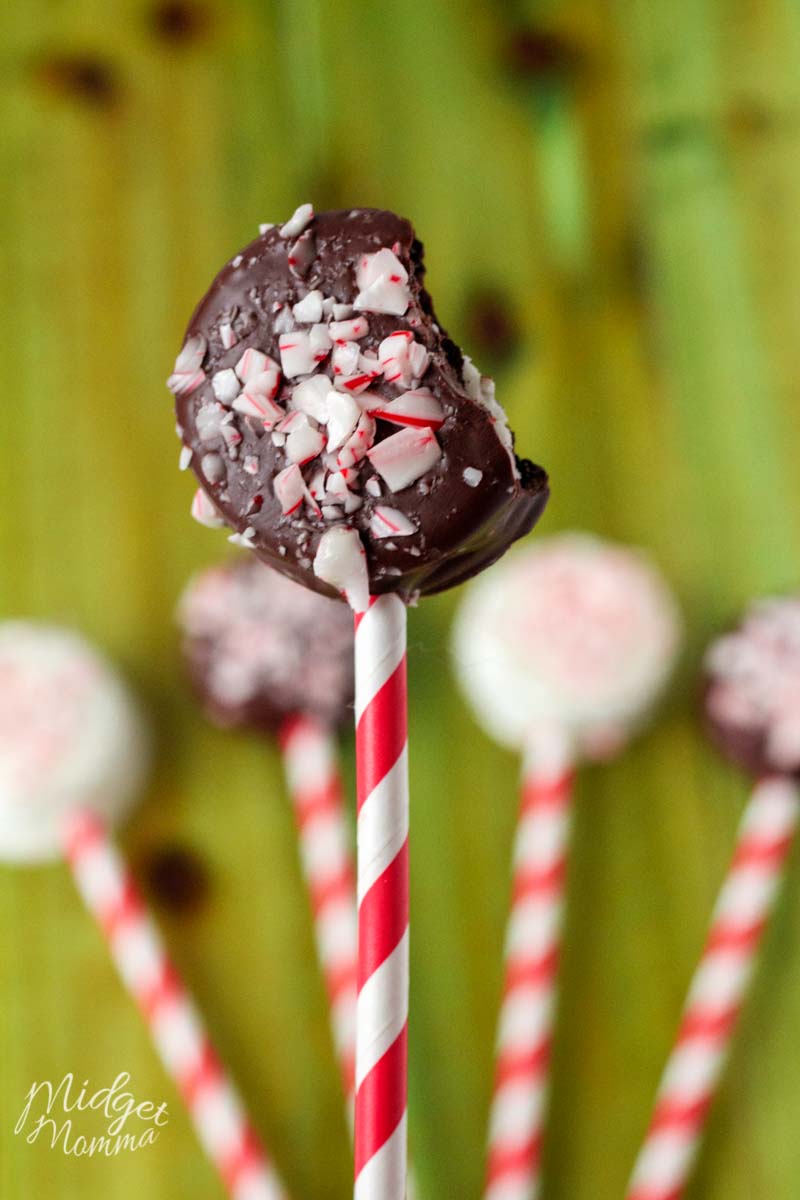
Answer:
(382, 837)
(533, 939)
(177, 1031)
(717, 992)
(312, 773)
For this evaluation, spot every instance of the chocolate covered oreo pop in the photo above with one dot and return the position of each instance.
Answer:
(752, 693)
(751, 703)
(334, 426)
(260, 648)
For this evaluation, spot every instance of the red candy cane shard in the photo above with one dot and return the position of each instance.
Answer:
(533, 938)
(111, 895)
(717, 992)
(382, 834)
(310, 763)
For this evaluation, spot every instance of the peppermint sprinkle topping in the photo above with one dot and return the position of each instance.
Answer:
(298, 221)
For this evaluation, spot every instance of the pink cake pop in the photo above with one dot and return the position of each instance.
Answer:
(73, 757)
(561, 652)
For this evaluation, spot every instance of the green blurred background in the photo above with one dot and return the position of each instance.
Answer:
(609, 197)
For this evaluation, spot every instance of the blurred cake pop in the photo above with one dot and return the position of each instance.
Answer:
(267, 654)
(752, 692)
(751, 707)
(561, 652)
(73, 759)
(260, 648)
(70, 737)
(573, 633)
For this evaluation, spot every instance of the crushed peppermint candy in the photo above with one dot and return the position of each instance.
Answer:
(382, 282)
(404, 457)
(185, 458)
(308, 311)
(204, 511)
(225, 386)
(390, 522)
(341, 562)
(300, 218)
(213, 467)
(227, 336)
(472, 476)
(419, 408)
(297, 355)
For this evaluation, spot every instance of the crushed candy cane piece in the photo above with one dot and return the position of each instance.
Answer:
(357, 445)
(303, 441)
(297, 357)
(212, 467)
(345, 358)
(472, 476)
(373, 487)
(405, 456)
(343, 416)
(402, 358)
(419, 408)
(302, 254)
(204, 511)
(208, 420)
(185, 458)
(390, 522)
(321, 342)
(298, 221)
(341, 562)
(256, 404)
(227, 335)
(350, 330)
(250, 464)
(225, 386)
(310, 396)
(340, 312)
(251, 363)
(382, 282)
(265, 227)
(289, 488)
(308, 310)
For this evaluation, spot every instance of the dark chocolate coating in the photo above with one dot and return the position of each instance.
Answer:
(746, 747)
(460, 529)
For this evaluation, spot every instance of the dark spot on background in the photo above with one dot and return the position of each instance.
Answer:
(492, 329)
(91, 80)
(177, 878)
(178, 21)
(539, 53)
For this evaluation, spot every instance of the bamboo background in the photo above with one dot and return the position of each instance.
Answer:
(608, 192)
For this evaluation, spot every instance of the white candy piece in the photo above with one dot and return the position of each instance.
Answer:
(403, 359)
(343, 416)
(226, 387)
(382, 282)
(204, 511)
(71, 738)
(390, 522)
(298, 221)
(419, 408)
(308, 310)
(405, 456)
(574, 634)
(341, 562)
(297, 354)
(311, 397)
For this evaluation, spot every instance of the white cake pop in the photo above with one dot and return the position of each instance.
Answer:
(71, 738)
(575, 634)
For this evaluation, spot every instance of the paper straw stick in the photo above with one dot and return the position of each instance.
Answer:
(175, 1026)
(533, 941)
(382, 838)
(717, 992)
(312, 774)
